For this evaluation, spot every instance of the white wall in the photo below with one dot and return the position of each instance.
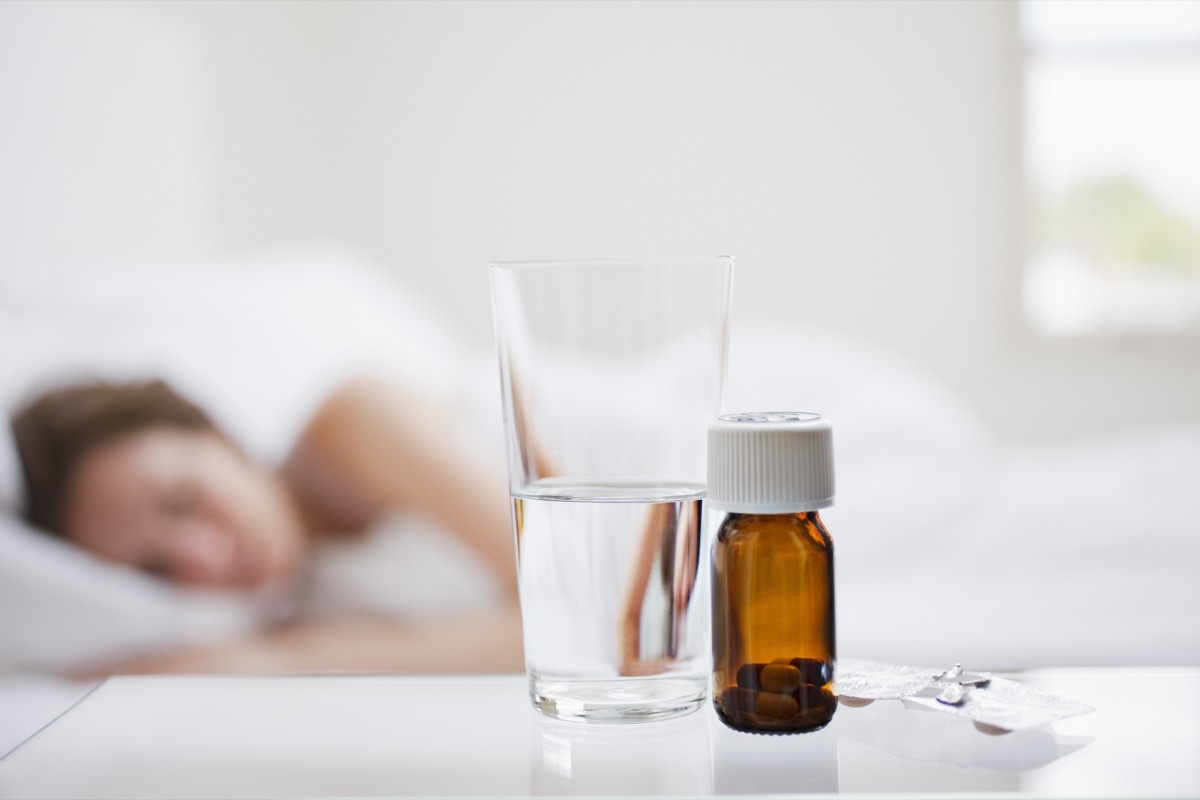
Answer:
(101, 159)
(860, 159)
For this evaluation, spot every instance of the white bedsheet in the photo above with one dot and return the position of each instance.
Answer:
(950, 547)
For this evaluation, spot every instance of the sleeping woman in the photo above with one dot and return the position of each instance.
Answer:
(136, 473)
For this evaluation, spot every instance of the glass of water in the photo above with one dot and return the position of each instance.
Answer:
(611, 372)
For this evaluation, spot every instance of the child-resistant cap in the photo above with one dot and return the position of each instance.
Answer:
(770, 462)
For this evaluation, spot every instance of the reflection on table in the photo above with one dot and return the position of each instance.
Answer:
(383, 736)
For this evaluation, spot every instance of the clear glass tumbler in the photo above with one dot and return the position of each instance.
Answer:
(611, 372)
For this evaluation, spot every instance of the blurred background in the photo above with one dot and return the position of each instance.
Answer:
(885, 170)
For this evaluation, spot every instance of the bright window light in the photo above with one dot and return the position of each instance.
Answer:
(1112, 161)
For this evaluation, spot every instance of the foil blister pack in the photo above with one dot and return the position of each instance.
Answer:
(996, 705)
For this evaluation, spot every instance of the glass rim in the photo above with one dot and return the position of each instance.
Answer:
(649, 261)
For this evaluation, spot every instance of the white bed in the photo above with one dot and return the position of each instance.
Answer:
(950, 546)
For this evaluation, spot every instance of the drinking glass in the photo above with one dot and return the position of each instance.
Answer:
(611, 372)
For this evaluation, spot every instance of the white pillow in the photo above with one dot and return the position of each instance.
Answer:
(62, 610)
(909, 455)
(258, 339)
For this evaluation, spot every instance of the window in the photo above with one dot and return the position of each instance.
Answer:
(1112, 162)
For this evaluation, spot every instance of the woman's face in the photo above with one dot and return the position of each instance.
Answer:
(186, 505)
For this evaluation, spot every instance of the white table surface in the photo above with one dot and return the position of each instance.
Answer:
(324, 737)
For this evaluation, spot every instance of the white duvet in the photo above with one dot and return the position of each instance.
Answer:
(949, 546)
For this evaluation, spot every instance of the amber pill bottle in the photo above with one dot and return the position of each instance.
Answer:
(773, 638)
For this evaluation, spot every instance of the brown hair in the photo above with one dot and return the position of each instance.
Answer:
(59, 427)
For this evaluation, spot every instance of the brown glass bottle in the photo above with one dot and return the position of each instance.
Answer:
(772, 590)
(773, 623)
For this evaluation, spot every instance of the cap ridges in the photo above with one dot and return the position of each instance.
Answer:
(770, 462)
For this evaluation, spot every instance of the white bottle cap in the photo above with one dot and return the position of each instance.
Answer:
(770, 462)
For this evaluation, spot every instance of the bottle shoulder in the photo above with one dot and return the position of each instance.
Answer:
(804, 526)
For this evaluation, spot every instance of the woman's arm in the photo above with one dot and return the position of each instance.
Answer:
(373, 446)
(488, 642)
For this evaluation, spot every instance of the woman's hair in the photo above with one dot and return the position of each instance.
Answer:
(56, 429)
